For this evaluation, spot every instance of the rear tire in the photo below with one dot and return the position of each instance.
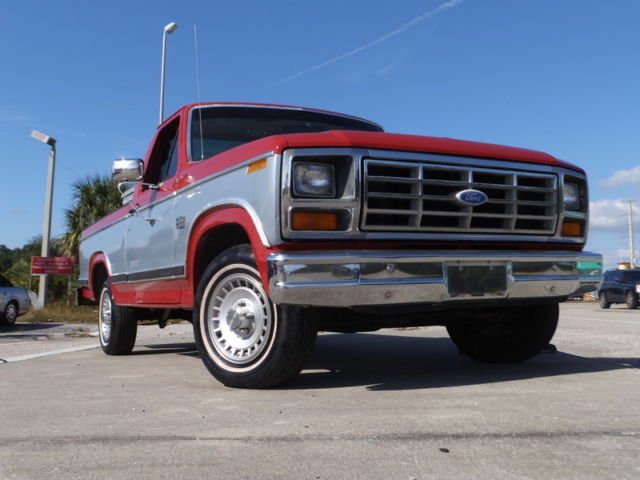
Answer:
(117, 325)
(631, 300)
(604, 300)
(514, 335)
(245, 340)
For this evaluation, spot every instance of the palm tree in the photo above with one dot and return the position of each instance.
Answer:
(93, 198)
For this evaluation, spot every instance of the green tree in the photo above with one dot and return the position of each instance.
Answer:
(93, 198)
(6, 258)
(19, 273)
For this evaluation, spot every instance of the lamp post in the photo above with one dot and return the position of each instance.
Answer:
(632, 244)
(168, 29)
(48, 201)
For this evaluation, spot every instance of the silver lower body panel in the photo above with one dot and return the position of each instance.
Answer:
(360, 278)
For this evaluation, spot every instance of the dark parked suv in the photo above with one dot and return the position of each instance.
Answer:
(620, 286)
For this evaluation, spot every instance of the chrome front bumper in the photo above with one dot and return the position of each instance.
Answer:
(361, 278)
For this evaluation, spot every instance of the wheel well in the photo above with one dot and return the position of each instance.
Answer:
(98, 277)
(214, 242)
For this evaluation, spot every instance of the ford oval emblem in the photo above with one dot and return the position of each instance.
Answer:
(471, 197)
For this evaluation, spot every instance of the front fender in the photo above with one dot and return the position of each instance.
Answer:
(219, 217)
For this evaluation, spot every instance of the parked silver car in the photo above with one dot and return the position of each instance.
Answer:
(14, 301)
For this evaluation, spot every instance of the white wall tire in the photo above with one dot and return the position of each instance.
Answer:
(245, 340)
(117, 326)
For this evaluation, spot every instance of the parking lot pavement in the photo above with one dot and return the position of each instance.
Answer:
(394, 404)
(26, 341)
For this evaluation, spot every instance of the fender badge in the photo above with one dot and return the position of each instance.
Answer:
(471, 197)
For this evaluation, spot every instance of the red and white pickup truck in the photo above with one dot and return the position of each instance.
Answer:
(264, 224)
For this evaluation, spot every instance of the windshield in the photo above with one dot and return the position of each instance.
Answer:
(216, 129)
(631, 276)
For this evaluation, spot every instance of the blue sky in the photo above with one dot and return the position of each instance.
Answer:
(561, 76)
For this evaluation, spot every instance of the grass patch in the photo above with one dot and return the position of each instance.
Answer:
(60, 313)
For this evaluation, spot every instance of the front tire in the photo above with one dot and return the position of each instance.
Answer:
(10, 314)
(245, 340)
(631, 300)
(117, 326)
(513, 335)
(604, 300)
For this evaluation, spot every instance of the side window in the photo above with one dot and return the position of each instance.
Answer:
(163, 162)
(170, 164)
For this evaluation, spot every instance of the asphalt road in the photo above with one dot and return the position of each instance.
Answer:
(395, 404)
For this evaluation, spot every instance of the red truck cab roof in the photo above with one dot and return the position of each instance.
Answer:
(380, 140)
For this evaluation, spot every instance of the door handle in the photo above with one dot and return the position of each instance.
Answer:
(134, 211)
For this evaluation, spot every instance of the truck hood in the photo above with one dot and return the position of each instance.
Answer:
(411, 143)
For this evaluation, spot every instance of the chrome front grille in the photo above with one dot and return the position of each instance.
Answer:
(421, 197)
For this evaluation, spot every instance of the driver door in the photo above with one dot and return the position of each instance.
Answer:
(151, 227)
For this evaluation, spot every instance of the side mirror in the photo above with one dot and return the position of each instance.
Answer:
(127, 170)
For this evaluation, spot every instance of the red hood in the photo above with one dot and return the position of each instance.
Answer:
(411, 143)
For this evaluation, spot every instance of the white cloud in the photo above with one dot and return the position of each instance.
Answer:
(622, 177)
(401, 29)
(611, 215)
(622, 255)
(612, 257)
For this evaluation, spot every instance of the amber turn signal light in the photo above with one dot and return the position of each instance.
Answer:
(314, 221)
(572, 228)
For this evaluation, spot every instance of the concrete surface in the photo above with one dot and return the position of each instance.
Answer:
(395, 404)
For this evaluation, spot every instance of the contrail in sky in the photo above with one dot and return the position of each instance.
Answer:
(387, 36)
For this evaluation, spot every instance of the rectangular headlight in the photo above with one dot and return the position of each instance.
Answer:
(571, 197)
(314, 180)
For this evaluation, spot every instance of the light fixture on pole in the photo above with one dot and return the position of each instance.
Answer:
(48, 201)
(168, 29)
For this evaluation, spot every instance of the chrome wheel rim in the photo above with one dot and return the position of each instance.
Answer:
(11, 314)
(105, 317)
(239, 319)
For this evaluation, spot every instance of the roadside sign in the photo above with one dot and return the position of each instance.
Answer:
(51, 265)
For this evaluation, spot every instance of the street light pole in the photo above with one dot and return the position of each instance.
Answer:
(632, 243)
(168, 29)
(48, 202)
